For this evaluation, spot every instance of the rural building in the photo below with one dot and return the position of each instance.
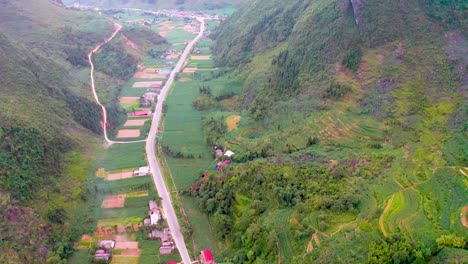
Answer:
(153, 206)
(154, 217)
(219, 166)
(219, 153)
(142, 171)
(102, 254)
(164, 235)
(147, 222)
(206, 257)
(166, 250)
(229, 153)
(107, 244)
(148, 99)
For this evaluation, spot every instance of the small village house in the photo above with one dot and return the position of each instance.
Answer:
(206, 257)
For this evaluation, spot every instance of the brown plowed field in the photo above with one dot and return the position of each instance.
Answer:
(119, 176)
(128, 133)
(128, 100)
(114, 201)
(135, 122)
(206, 57)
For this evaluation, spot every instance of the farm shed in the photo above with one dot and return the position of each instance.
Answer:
(107, 244)
(154, 217)
(229, 153)
(153, 205)
(102, 254)
(206, 257)
(142, 171)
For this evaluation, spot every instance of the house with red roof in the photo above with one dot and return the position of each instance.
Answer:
(206, 257)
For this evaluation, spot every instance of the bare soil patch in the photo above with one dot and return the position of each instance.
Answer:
(232, 122)
(152, 70)
(126, 245)
(129, 42)
(165, 27)
(147, 84)
(190, 70)
(119, 176)
(190, 29)
(128, 133)
(135, 252)
(114, 201)
(463, 216)
(185, 79)
(201, 57)
(142, 75)
(128, 100)
(135, 122)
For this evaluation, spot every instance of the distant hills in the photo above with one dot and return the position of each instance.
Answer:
(162, 4)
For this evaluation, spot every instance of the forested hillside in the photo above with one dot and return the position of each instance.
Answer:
(48, 122)
(353, 139)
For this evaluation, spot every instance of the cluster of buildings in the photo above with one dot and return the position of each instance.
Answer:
(167, 245)
(168, 54)
(224, 158)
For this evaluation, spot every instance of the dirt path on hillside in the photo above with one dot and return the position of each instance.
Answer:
(117, 28)
(464, 220)
(382, 216)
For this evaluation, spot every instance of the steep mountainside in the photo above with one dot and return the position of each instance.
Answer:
(46, 122)
(354, 136)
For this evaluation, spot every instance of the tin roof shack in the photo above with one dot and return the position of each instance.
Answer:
(206, 257)
(154, 217)
(148, 99)
(153, 206)
(106, 244)
(164, 235)
(102, 254)
(142, 171)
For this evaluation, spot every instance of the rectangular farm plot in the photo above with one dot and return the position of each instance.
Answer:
(201, 57)
(135, 122)
(148, 84)
(128, 133)
(120, 175)
(190, 70)
(144, 75)
(114, 201)
(128, 99)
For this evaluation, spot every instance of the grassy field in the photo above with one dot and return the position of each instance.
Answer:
(122, 156)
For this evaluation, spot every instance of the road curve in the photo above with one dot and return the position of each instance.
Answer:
(153, 163)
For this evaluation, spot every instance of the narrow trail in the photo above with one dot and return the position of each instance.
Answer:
(463, 216)
(117, 28)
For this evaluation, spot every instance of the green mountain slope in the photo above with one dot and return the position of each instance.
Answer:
(47, 124)
(353, 139)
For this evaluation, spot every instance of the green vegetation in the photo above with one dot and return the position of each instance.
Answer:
(351, 133)
(48, 125)
(122, 156)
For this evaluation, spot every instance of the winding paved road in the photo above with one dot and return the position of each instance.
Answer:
(158, 179)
